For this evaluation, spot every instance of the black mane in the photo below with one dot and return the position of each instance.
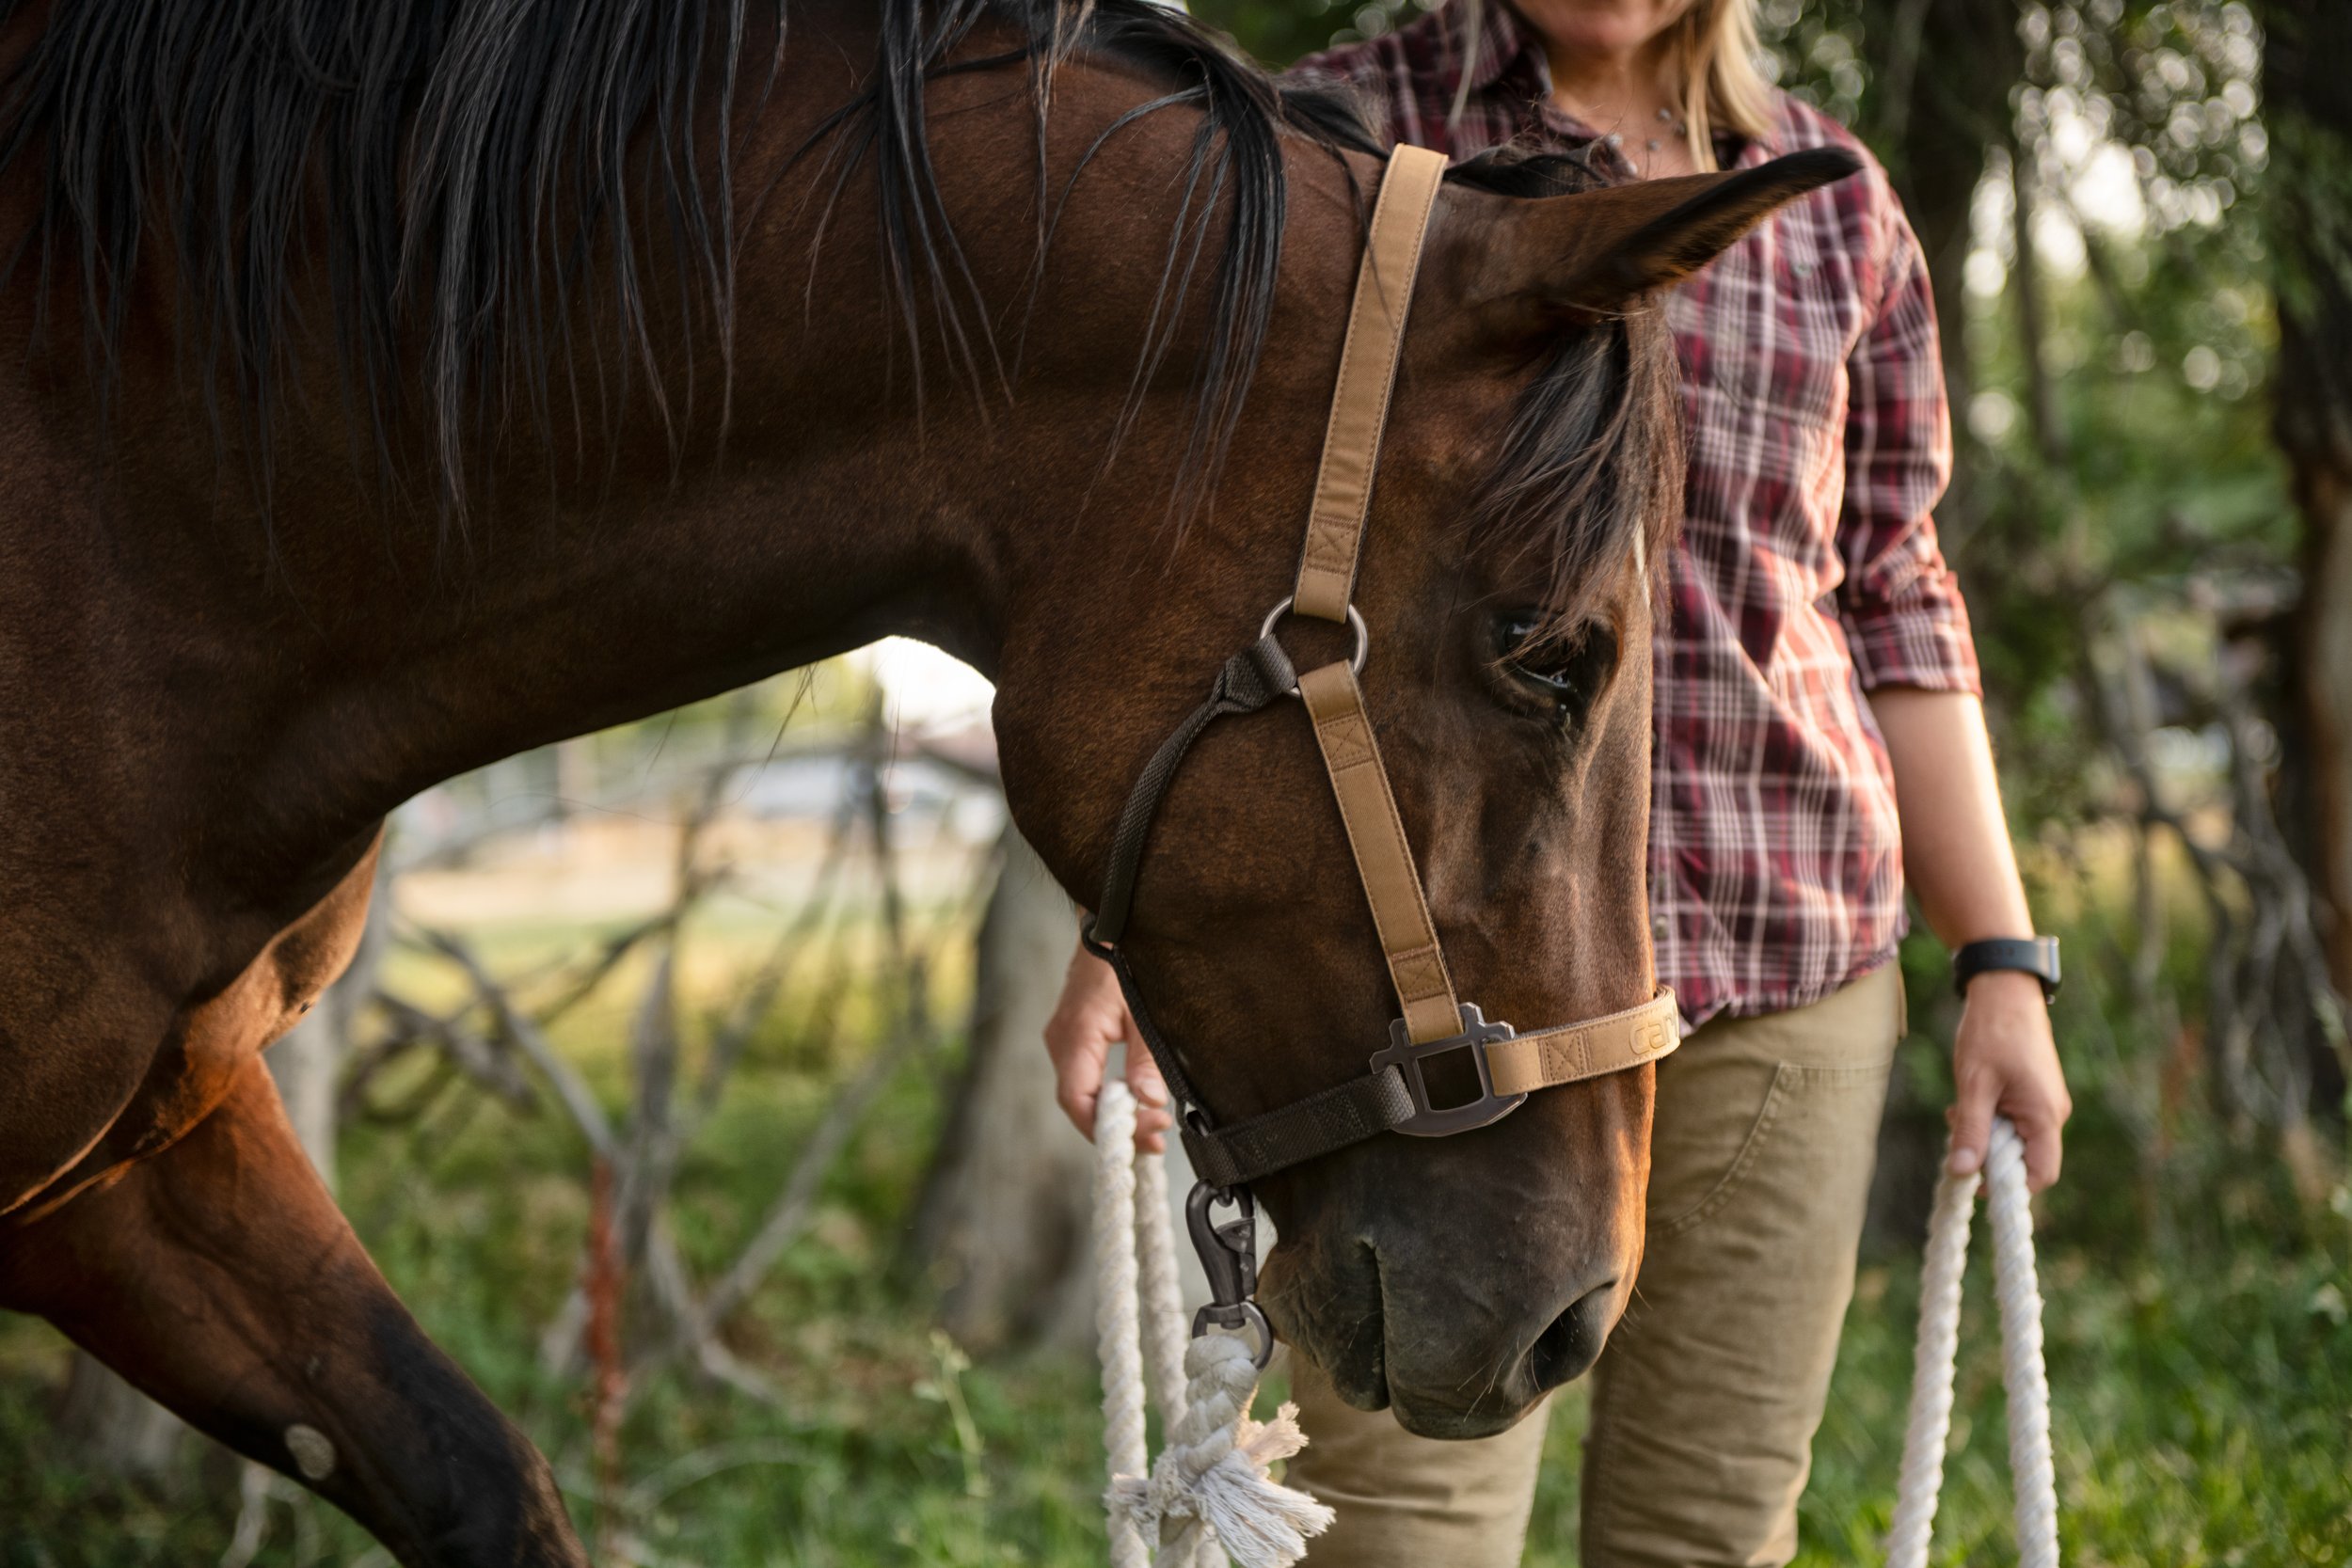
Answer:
(463, 172)
(470, 172)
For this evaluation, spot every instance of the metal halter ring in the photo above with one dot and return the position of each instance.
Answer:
(1355, 624)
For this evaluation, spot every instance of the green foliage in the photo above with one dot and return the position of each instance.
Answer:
(2196, 1420)
(1280, 31)
(2199, 1417)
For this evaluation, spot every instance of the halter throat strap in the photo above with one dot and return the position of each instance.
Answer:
(1394, 1095)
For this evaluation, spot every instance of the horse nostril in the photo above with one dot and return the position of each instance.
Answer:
(1569, 1347)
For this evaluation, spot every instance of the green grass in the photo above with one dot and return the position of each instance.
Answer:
(2202, 1372)
(2197, 1420)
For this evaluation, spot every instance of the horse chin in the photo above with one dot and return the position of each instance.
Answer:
(1436, 1407)
(1363, 1383)
(1334, 1316)
(1329, 1310)
(1486, 1420)
(1383, 1349)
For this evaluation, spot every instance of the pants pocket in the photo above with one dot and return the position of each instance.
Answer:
(1810, 1103)
(1664, 1228)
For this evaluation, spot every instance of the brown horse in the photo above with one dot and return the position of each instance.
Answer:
(392, 388)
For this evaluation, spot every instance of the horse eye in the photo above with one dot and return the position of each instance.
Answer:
(1570, 670)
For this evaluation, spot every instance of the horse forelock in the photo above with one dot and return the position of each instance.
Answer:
(1589, 480)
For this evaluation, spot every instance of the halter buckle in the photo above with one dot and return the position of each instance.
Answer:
(1410, 1061)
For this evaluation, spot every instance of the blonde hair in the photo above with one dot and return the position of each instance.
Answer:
(1712, 59)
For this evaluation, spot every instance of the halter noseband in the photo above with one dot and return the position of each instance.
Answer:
(1393, 1095)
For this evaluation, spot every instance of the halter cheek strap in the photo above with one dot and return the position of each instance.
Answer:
(1393, 1095)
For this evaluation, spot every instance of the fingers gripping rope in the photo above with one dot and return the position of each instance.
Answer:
(1209, 1494)
(2022, 1373)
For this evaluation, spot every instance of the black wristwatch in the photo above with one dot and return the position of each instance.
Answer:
(2036, 956)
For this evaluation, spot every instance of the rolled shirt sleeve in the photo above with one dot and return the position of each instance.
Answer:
(1905, 622)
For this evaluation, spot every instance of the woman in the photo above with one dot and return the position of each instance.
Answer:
(1819, 737)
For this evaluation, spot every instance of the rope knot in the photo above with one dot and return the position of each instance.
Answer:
(1212, 1475)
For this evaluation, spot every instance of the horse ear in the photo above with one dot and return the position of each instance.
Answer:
(1572, 258)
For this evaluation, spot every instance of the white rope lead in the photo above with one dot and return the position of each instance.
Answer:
(1115, 1330)
(1163, 1289)
(2031, 1474)
(1162, 1292)
(1209, 1494)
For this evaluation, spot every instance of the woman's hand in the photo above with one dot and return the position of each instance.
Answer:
(1957, 859)
(2005, 1064)
(1090, 1018)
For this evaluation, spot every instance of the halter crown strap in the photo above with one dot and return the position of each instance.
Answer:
(1360, 403)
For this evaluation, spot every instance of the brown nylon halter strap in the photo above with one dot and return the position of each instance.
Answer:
(1360, 402)
(1393, 1096)
(1231, 1155)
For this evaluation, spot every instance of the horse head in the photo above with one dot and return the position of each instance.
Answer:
(1523, 505)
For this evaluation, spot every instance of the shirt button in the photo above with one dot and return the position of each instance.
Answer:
(1659, 927)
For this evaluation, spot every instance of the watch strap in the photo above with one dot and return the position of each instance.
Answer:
(2035, 956)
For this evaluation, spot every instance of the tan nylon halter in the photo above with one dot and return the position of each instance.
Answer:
(1327, 580)
(1393, 1095)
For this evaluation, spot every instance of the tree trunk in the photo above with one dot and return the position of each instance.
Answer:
(2308, 208)
(1002, 1227)
(308, 1063)
(1943, 70)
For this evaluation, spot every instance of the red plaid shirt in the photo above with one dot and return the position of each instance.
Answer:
(1808, 570)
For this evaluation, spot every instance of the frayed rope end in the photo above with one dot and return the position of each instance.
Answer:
(1260, 1523)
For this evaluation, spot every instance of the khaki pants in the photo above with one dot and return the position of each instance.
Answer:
(1706, 1401)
